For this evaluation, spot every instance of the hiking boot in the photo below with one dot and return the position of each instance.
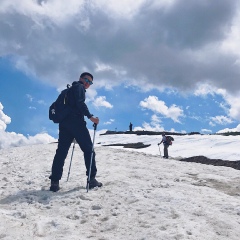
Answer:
(94, 183)
(54, 186)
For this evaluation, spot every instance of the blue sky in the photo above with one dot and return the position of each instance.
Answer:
(163, 65)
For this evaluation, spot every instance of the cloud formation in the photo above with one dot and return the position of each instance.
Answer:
(236, 129)
(4, 119)
(222, 120)
(231, 104)
(12, 139)
(173, 44)
(159, 107)
(176, 43)
(101, 102)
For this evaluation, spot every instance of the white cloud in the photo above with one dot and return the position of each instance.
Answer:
(155, 118)
(109, 122)
(120, 9)
(236, 129)
(234, 103)
(101, 102)
(4, 119)
(12, 139)
(149, 127)
(183, 131)
(204, 89)
(41, 102)
(101, 67)
(212, 124)
(30, 98)
(55, 40)
(154, 125)
(136, 42)
(231, 104)
(206, 131)
(91, 94)
(231, 42)
(21, 63)
(157, 106)
(222, 120)
(58, 11)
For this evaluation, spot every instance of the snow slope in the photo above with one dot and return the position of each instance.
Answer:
(144, 197)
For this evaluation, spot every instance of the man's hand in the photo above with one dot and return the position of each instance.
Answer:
(95, 120)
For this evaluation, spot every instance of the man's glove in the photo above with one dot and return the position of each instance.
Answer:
(158, 144)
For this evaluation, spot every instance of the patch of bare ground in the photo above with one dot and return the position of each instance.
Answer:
(214, 162)
(130, 145)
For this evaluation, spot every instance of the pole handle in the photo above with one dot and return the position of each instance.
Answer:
(95, 126)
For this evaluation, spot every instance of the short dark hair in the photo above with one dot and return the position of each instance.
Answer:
(86, 74)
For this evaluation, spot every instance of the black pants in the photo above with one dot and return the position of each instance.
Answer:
(166, 150)
(73, 127)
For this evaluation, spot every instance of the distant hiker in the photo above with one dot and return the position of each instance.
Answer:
(166, 144)
(130, 127)
(74, 127)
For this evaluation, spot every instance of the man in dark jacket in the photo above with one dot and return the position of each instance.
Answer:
(166, 145)
(130, 127)
(74, 127)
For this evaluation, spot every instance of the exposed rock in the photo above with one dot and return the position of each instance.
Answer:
(215, 162)
(130, 145)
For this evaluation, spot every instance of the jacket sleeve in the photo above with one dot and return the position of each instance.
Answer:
(79, 94)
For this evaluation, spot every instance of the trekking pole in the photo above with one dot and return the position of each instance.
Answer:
(71, 159)
(89, 174)
(159, 150)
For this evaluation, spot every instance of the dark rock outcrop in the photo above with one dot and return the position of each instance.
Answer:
(214, 162)
(130, 145)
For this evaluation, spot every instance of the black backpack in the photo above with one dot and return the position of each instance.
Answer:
(169, 140)
(60, 109)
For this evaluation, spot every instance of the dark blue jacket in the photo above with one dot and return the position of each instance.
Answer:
(76, 99)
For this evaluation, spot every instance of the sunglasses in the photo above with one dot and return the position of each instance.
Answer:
(88, 81)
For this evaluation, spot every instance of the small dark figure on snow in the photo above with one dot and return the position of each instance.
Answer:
(165, 144)
(74, 127)
(130, 127)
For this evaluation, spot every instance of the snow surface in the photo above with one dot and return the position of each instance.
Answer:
(144, 197)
